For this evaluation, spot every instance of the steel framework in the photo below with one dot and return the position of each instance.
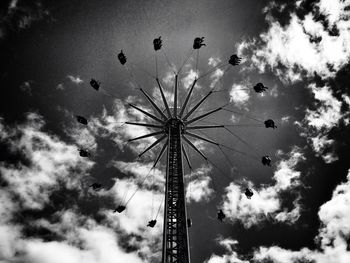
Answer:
(173, 124)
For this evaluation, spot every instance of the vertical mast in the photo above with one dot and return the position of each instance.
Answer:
(175, 235)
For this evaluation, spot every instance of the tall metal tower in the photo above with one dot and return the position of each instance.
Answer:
(173, 125)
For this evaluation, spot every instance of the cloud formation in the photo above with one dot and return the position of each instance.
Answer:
(305, 45)
(332, 240)
(266, 201)
(48, 165)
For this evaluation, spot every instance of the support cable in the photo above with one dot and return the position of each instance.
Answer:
(190, 52)
(246, 115)
(138, 188)
(244, 142)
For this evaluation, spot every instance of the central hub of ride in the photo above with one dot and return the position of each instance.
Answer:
(174, 124)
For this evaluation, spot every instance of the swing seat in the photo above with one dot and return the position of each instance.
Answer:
(248, 193)
(120, 209)
(152, 223)
(157, 43)
(260, 88)
(235, 60)
(84, 153)
(96, 186)
(189, 222)
(266, 160)
(198, 42)
(221, 215)
(270, 124)
(82, 120)
(122, 57)
(95, 84)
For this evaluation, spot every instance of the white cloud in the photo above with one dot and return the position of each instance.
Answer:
(187, 81)
(332, 239)
(75, 79)
(294, 48)
(239, 95)
(50, 161)
(217, 74)
(266, 200)
(333, 234)
(198, 187)
(231, 256)
(112, 125)
(328, 113)
(319, 121)
(81, 238)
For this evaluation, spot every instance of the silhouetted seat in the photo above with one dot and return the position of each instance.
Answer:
(260, 88)
(198, 42)
(122, 57)
(119, 209)
(270, 124)
(152, 223)
(234, 60)
(248, 193)
(82, 120)
(189, 222)
(157, 43)
(95, 84)
(96, 186)
(266, 160)
(84, 153)
(221, 215)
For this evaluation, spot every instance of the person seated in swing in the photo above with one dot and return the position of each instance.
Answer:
(234, 60)
(221, 215)
(198, 42)
(260, 88)
(122, 57)
(96, 186)
(270, 124)
(119, 209)
(95, 84)
(84, 153)
(248, 193)
(152, 223)
(157, 43)
(266, 160)
(82, 120)
(189, 222)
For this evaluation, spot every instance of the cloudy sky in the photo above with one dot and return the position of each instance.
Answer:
(300, 50)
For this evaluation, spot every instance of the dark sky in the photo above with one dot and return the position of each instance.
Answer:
(51, 49)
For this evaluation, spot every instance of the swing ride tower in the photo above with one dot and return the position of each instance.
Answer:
(173, 128)
(175, 235)
(173, 125)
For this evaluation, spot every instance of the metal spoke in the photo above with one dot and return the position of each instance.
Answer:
(194, 147)
(201, 138)
(175, 96)
(146, 113)
(153, 104)
(152, 145)
(163, 98)
(187, 98)
(197, 105)
(161, 153)
(200, 127)
(145, 136)
(145, 124)
(186, 157)
(204, 115)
